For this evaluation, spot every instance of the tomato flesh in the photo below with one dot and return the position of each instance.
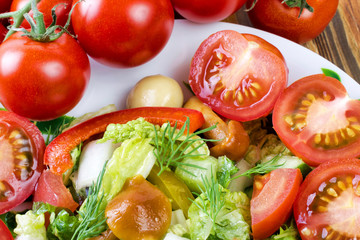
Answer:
(21, 151)
(328, 204)
(318, 121)
(51, 189)
(272, 200)
(5, 233)
(239, 76)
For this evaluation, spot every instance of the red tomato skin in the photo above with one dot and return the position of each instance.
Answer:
(123, 33)
(57, 153)
(51, 189)
(299, 143)
(311, 185)
(272, 205)
(5, 5)
(207, 11)
(5, 233)
(42, 81)
(278, 18)
(22, 188)
(45, 7)
(3, 32)
(266, 67)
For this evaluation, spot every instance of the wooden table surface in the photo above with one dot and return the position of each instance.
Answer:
(340, 41)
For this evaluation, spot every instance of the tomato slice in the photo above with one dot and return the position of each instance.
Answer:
(21, 149)
(328, 203)
(51, 189)
(57, 153)
(318, 121)
(272, 200)
(5, 233)
(240, 76)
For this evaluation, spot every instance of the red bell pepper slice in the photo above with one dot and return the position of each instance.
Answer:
(57, 154)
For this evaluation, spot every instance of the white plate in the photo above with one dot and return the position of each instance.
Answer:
(111, 85)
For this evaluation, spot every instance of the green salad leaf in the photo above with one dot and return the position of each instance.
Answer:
(134, 157)
(220, 214)
(30, 226)
(331, 73)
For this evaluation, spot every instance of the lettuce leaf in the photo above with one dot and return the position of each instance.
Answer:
(232, 221)
(30, 226)
(63, 226)
(135, 156)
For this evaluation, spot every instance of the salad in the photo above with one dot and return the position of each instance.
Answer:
(245, 158)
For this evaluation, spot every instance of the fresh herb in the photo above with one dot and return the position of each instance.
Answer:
(298, 3)
(331, 73)
(225, 170)
(287, 231)
(10, 221)
(263, 168)
(290, 3)
(170, 149)
(92, 216)
(54, 127)
(213, 194)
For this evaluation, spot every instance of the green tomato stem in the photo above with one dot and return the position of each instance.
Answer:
(39, 19)
(39, 31)
(17, 16)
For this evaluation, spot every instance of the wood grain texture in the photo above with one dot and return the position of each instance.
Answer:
(338, 43)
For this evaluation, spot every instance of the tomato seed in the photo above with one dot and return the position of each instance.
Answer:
(332, 192)
(6, 191)
(14, 134)
(23, 158)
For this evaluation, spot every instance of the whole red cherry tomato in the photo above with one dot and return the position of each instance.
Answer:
(123, 33)
(205, 11)
(45, 7)
(277, 17)
(42, 80)
(21, 149)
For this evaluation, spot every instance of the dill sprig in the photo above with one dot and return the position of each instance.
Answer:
(263, 168)
(92, 216)
(170, 150)
(211, 198)
(51, 129)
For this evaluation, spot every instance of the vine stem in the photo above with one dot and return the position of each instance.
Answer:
(17, 16)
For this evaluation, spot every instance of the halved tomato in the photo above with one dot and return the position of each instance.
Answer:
(328, 203)
(21, 149)
(318, 121)
(272, 200)
(240, 76)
